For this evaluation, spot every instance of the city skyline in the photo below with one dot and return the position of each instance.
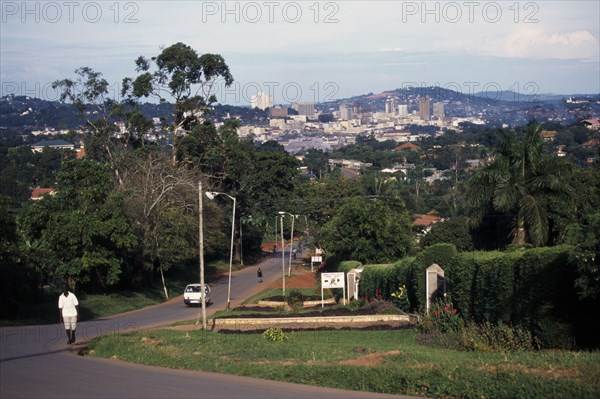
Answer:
(313, 51)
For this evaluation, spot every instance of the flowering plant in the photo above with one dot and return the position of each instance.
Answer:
(400, 298)
(442, 318)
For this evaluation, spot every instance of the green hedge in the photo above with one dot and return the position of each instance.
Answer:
(409, 272)
(348, 265)
(533, 288)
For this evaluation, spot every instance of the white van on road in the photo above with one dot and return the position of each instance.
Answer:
(193, 296)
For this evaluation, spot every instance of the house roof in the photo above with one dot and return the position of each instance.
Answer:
(52, 143)
(591, 143)
(39, 192)
(427, 220)
(595, 122)
(408, 146)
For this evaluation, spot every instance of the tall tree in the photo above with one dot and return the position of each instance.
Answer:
(367, 231)
(181, 75)
(162, 205)
(88, 91)
(515, 182)
(81, 231)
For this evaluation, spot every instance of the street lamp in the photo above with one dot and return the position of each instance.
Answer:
(211, 195)
(291, 239)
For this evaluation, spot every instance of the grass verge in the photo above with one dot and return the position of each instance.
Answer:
(93, 306)
(376, 361)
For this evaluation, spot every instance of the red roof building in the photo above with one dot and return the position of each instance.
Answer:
(407, 146)
(39, 192)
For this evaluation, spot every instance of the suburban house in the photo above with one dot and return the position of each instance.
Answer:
(39, 192)
(424, 222)
(592, 123)
(407, 146)
(548, 135)
(57, 144)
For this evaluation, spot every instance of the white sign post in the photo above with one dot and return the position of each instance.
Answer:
(315, 259)
(332, 280)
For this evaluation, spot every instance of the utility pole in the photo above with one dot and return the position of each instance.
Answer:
(201, 253)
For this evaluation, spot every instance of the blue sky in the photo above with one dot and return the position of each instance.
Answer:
(311, 50)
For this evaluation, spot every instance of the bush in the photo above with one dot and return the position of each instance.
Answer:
(443, 327)
(441, 319)
(274, 334)
(488, 337)
(400, 298)
(356, 304)
(295, 300)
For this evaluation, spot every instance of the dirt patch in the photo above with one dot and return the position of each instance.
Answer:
(370, 360)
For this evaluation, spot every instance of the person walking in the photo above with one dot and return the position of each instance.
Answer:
(259, 275)
(68, 313)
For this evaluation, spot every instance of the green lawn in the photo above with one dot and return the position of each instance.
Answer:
(377, 361)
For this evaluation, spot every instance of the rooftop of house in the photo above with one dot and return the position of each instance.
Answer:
(427, 220)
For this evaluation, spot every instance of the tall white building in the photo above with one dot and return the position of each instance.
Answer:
(403, 110)
(261, 100)
(345, 112)
(438, 110)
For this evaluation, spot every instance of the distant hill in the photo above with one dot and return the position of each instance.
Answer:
(22, 113)
(28, 113)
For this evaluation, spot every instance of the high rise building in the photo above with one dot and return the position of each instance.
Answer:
(345, 112)
(403, 110)
(307, 109)
(278, 112)
(438, 110)
(390, 105)
(261, 100)
(424, 108)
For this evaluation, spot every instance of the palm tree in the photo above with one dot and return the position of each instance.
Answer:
(516, 181)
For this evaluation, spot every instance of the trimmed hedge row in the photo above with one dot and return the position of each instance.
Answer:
(348, 265)
(409, 272)
(534, 289)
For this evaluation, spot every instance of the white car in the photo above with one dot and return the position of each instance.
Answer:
(193, 296)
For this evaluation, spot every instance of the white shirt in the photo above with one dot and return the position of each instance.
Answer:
(67, 304)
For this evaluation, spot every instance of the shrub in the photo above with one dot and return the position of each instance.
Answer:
(274, 334)
(357, 304)
(400, 298)
(443, 327)
(488, 337)
(441, 319)
(295, 300)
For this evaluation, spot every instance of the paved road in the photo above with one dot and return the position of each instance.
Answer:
(35, 361)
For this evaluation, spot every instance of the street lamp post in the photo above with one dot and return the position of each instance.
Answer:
(211, 195)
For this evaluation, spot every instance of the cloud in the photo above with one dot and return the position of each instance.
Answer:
(537, 44)
(391, 50)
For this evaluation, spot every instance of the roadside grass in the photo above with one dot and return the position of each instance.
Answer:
(93, 306)
(377, 361)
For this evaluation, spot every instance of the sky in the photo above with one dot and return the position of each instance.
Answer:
(312, 51)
